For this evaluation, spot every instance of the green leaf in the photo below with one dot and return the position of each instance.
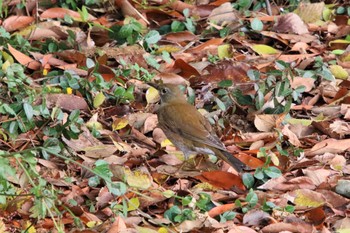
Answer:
(94, 181)
(177, 26)
(152, 37)
(90, 63)
(256, 24)
(338, 51)
(166, 57)
(327, 74)
(186, 12)
(117, 188)
(253, 75)
(340, 10)
(289, 208)
(151, 61)
(172, 212)
(326, 14)
(28, 110)
(273, 172)
(225, 83)
(248, 180)
(245, 4)
(102, 169)
(252, 198)
(259, 174)
(74, 115)
(8, 109)
(220, 104)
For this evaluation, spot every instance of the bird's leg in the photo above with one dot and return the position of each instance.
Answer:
(189, 163)
(203, 163)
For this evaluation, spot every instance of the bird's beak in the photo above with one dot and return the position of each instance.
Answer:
(152, 84)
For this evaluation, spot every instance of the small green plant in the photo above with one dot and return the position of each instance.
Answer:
(264, 173)
(277, 83)
(129, 33)
(185, 207)
(320, 70)
(251, 199)
(213, 58)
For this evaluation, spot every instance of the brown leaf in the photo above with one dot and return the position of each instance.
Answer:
(130, 10)
(290, 23)
(24, 59)
(210, 43)
(61, 12)
(187, 70)
(66, 102)
(14, 23)
(288, 227)
(310, 12)
(329, 145)
(178, 37)
(223, 14)
(228, 70)
(175, 78)
(256, 218)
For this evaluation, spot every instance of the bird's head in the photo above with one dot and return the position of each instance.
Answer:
(168, 93)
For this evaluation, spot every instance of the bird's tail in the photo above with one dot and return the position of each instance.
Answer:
(231, 159)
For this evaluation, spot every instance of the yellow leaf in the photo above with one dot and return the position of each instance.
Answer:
(99, 99)
(168, 48)
(5, 65)
(144, 230)
(29, 227)
(165, 143)
(91, 224)
(138, 179)
(163, 230)
(133, 204)
(225, 51)
(295, 121)
(310, 12)
(308, 198)
(120, 123)
(339, 72)
(339, 41)
(168, 193)
(264, 49)
(152, 95)
(93, 123)
(274, 159)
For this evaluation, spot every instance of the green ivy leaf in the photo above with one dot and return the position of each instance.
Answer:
(272, 172)
(152, 37)
(256, 24)
(248, 180)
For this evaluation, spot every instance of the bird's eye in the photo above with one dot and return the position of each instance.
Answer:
(164, 91)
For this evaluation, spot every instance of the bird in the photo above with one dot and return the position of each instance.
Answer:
(187, 128)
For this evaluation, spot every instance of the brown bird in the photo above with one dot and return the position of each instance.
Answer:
(187, 129)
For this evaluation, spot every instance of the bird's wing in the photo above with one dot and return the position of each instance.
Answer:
(186, 121)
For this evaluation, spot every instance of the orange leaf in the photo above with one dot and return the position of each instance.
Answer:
(221, 209)
(24, 59)
(222, 179)
(13, 23)
(61, 12)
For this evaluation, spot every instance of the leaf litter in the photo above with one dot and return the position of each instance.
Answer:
(274, 87)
